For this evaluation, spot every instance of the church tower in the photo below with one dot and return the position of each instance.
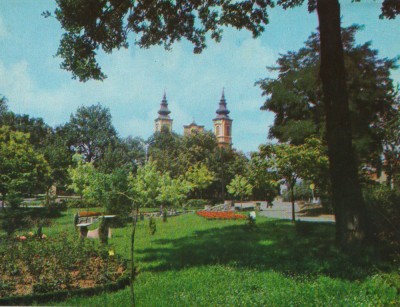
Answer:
(163, 119)
(223, 124)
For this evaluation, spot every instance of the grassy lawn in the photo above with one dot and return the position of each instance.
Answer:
(194, 262)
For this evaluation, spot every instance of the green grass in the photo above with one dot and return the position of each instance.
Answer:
(194, 262)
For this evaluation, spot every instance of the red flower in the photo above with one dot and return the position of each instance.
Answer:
(229, 215)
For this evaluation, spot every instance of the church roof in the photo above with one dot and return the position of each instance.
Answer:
(164, 111)
(193, 124)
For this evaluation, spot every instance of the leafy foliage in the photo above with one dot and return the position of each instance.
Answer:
(80, 175)
(265, 180)
(172, 192)
(199, 177)
(144, 187)
(296, 95)
(22, 169)
(240, 187)
(93, 25)
(90, 132)
(292, 163)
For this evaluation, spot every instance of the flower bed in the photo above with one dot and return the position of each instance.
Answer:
(221, 215)
(30, 265)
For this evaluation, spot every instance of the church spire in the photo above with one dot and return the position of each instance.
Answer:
(164, 111)
(163, 119)
(222, 111)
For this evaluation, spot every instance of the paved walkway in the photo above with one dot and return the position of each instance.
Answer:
(283, 210)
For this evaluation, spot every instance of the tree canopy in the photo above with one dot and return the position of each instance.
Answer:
(22, 169)
(294, 162)
(107, 25)
(296, 95)
(90, 132)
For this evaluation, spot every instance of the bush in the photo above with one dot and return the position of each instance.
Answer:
(61, 206)
(384, 210)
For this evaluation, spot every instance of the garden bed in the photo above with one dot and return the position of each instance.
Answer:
(221, 215)
(33, 265)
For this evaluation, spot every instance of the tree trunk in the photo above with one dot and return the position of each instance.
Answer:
(133, 270)
(292, 199)
(349, 206)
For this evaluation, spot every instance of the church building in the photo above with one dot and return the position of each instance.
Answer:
(222, 122)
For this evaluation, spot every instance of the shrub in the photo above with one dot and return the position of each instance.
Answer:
(61, 206)
(384, 210)
(55, 263)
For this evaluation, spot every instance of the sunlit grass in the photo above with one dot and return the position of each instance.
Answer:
(191, 261)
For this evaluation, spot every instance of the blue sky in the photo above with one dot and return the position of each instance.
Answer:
(32, 81)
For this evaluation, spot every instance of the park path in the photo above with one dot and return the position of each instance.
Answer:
(283, 210)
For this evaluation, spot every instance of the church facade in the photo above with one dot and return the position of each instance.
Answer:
(222, 122)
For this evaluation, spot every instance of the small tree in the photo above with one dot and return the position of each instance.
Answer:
(80, 175)
(239, 187)
(292, 162)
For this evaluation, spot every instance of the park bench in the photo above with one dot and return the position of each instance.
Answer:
(85, 219)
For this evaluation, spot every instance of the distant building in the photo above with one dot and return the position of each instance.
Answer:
(222, 122)
(192, 128)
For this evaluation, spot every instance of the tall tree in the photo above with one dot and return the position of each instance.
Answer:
(196, 148)
(3, 105)
(91, 132)
(225, 163)
(296, 97)
(37, 129)
(126, 154)
(391, 147)
(91, 25)
(164, 151)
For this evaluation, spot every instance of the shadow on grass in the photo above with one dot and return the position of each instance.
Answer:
(301, 249)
